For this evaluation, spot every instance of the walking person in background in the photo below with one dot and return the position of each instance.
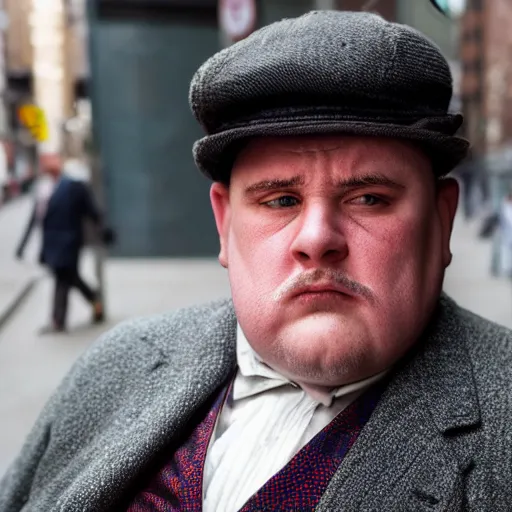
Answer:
(60, 208)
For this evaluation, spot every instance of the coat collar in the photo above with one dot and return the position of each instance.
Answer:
(443, 370)
(413, 451)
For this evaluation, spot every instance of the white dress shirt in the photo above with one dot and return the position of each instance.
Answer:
(264, 422)
(45, 187)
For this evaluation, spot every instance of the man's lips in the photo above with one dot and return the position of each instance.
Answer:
(320, 288)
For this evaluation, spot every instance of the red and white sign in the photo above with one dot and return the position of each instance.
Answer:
(237, 18)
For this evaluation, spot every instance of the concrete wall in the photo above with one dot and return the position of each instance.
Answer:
(156, 198)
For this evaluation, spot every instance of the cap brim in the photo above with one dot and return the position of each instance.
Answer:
(214, 154)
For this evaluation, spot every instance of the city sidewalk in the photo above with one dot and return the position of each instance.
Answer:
(468, 279)
(31, 366)
(16, 278)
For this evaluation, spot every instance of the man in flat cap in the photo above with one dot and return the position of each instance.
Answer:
(339, 377)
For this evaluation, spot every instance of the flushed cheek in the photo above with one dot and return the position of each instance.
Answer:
(252, 289)
(263, 246)
(386, 255)
(400, 265)
(260, 263)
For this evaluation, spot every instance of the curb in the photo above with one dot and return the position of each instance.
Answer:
(17, 301)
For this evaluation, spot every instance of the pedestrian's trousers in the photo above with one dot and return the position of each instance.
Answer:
(65, 279)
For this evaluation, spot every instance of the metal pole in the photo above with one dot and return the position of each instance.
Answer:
(94, 160)
(224, 41)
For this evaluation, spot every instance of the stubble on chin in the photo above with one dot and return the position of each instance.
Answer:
(312, 367)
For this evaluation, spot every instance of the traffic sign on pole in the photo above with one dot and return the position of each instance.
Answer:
(237, 18)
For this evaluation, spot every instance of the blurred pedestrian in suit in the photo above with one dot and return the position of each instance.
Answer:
(61, 206)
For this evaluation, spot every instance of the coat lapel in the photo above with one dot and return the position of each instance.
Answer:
(414, 451)
(59, 188)
(111, 469)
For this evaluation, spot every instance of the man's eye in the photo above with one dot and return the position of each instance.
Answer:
(282, 202)
(367, 200)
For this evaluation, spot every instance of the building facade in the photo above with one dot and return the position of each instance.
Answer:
(26, 37)
(486, 45)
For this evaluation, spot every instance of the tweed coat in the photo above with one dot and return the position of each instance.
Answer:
(440, 438)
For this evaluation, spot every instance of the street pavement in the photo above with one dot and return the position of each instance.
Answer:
(16, 278)
(31, 366)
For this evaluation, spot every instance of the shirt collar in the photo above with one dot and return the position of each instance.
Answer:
(255, 377)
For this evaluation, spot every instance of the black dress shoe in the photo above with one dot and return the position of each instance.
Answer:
(98, 316)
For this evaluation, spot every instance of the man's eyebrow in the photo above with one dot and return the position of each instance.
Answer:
(276, 184)
(368, 180)
(361, 181)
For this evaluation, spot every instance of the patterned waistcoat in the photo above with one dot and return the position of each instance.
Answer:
(178, 484)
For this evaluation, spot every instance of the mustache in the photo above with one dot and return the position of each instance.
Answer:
(312, 277)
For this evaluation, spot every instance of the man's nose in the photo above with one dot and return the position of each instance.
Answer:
(320, 237)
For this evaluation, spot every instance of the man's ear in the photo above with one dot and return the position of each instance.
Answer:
(447, 201)
(219, 196)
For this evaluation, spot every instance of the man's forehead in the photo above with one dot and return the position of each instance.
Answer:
(357, 150)
(301, 145)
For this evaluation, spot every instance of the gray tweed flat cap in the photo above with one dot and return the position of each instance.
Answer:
(322, 73)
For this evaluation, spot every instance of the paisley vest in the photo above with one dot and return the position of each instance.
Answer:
(178, 484)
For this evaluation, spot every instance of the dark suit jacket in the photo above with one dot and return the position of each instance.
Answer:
(440, 439)
(63, 226)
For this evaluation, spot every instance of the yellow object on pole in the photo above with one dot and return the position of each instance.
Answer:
(33, 119)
